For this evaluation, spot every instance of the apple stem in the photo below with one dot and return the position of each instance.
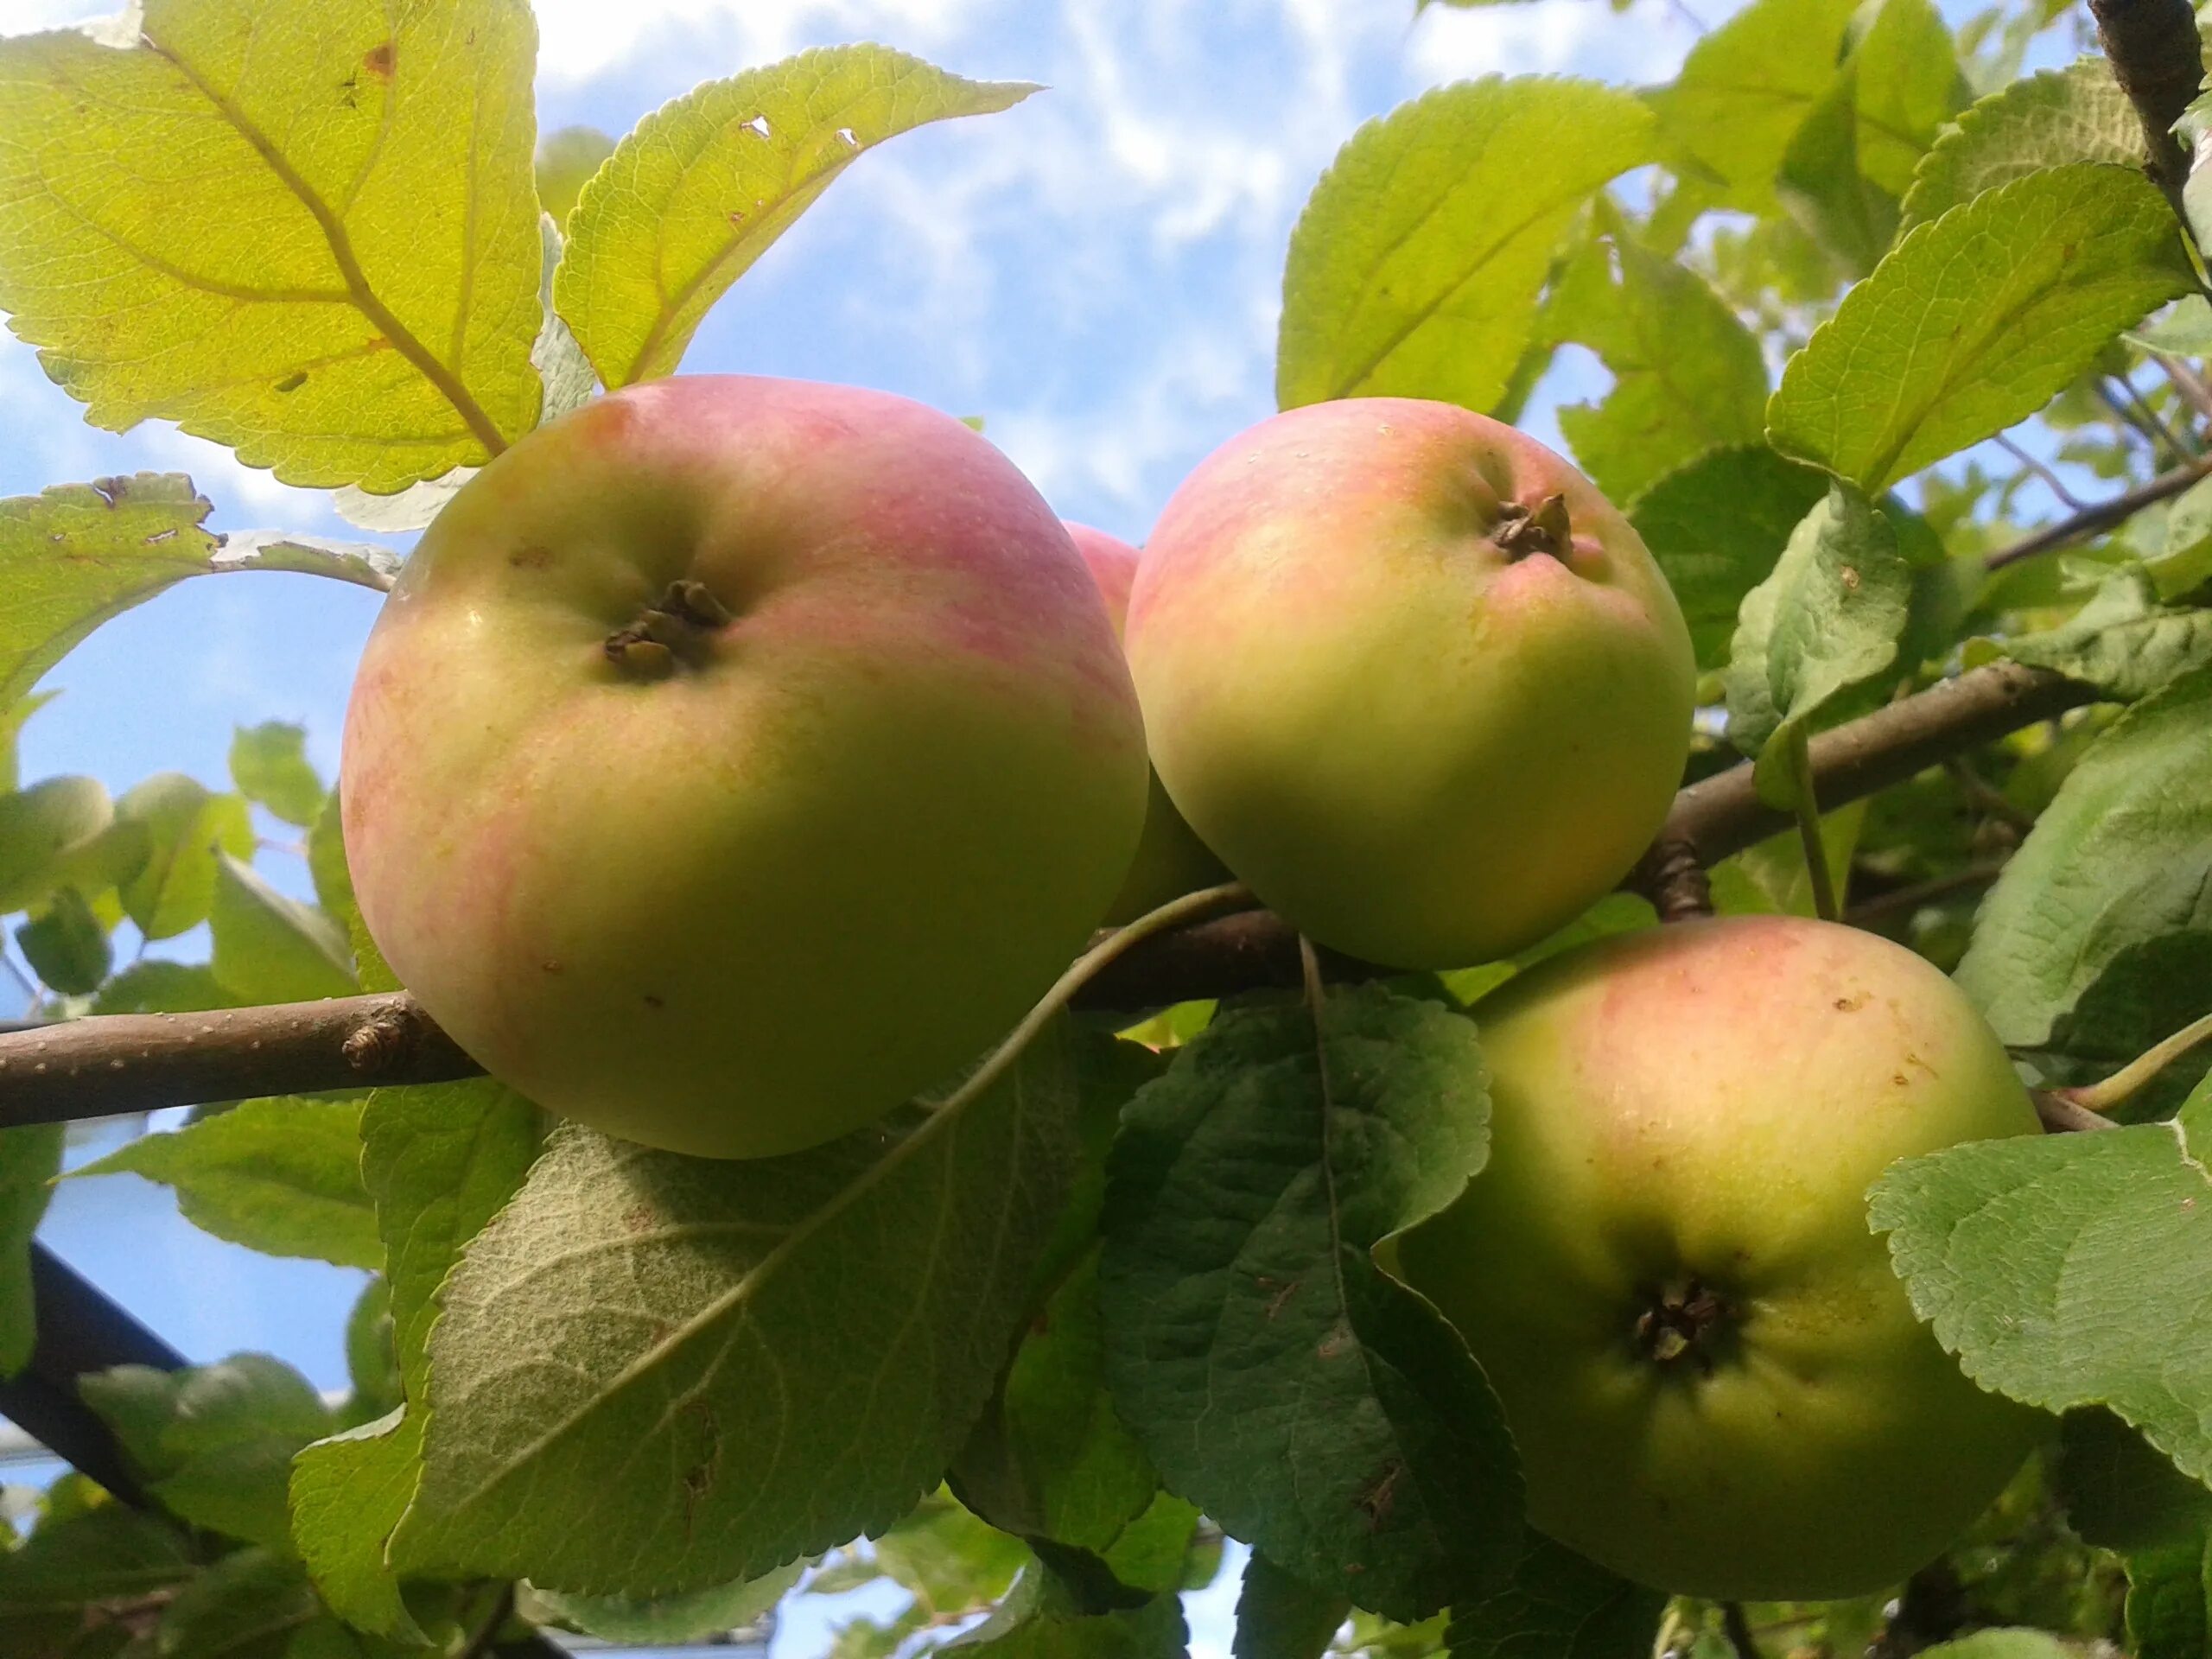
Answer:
(2117, 1089)
(1522, 531)
(1805, 805)
(1309, 967)
(1229, 896)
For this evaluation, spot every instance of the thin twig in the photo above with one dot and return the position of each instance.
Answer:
(2187, 382)
(2051, 480)
(1903, 901)
(2134, 415)
(2101, 516)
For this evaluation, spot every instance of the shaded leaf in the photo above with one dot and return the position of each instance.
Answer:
(633, 1311)
(179, 830)
(333, 893)
(1717, 527)
(1972, 322)
(268, 763)
(156, 987)
(307, 233)
(2076, 114)
(214, 1443)
(1687, 376)
(66, 945)
(1558, 1606)
(2123, 641)
(2098, 932)
(677, 1620)
(1745, 89)
(702, 187)
(566, 159)
(39, 828)
(282, 1176)
(1414, 270)
(1280, 1616)
(272, 949)
(1276, 1376)
(29, 1160)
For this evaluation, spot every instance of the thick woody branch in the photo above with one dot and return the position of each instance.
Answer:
(134, 1063)
(2153, 45)
(139, 1062)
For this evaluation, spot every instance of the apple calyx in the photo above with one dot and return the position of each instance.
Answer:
(1522, 530)
(672, 631)
(1682, 1322)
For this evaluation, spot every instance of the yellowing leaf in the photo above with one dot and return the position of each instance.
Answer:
(701, 188)
(305, 231)
(1414, 270)
(1973, 321)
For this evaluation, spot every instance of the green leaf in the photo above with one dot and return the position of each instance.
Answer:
(1907, 87)
(1560, 1606)
(182, 829)
(1973, 321)
(157, 987)
(254, 1605)
(12, 717)
(2184, 563)
(1717, 526)
(1040, 1620)
(372, 1356)
(2002, 1644)
(700, 187)
(1687, 376)
(441, 1160)
(1745, 89)
(268, 763)
(271, 948)
(2123, 641)
(566, 160)
(2078, 114)
(2170, 1602)
(952, 1560)
(1280, 1616)
(635, 1327)
(307, 233)
(282, 1176)
(66, 945)
(74, 1564)
(1276, 1376)
(1819, 637)
(2098, 936)
(39, 828)
(30, 1158)
(214, 1443)
(1414, 270)
(2122, 1495)
(1845, 213)
(2184, 330)
(347, 1494)
(333, 893)
(676, 1621)
(2062, 1269)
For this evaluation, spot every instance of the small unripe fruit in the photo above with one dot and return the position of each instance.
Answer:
(1411, 676)
(1716, 1381)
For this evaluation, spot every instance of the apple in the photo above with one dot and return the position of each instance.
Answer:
(1715, 1379)
(1171, 860)
(1411, 676)
(737, 757)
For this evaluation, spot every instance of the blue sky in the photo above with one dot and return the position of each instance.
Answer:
(1095, 273)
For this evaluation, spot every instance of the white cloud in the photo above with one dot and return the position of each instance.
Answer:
(580, 38)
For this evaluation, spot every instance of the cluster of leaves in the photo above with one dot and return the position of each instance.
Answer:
(627, 1393)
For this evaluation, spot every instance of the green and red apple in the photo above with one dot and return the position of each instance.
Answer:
(737, 757)
(1411, 676)
(1715, 1379)
(1171, 860)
